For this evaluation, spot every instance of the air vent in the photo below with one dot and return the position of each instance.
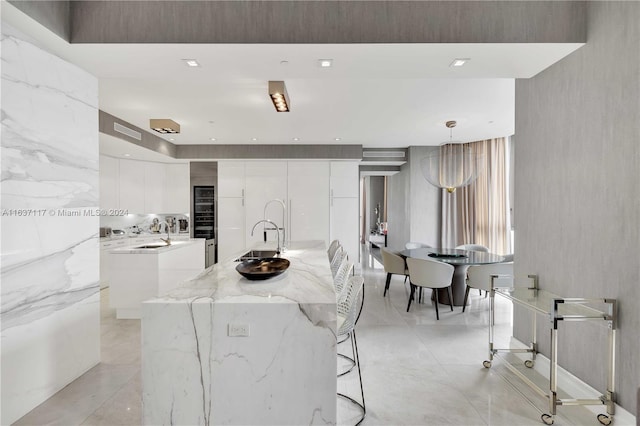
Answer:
(127, 131)
(382, 154)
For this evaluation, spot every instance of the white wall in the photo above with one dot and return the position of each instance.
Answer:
(50, 257)
(577, 195)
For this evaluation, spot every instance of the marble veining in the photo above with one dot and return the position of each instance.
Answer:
(49, 307)
(284, 371)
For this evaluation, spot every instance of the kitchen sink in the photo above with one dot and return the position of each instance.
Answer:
(256, 254)
(151, 246)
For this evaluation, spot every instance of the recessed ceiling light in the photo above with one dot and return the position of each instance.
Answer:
(213, 139)
(336, 139)
(126, 155)
(172, 139)
(458, 62)
(325, 63)
(254, 139)
(191, 62)
(296, 139)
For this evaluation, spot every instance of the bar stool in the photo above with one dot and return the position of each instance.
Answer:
(348, 314)
(332, 249)
(338, 257)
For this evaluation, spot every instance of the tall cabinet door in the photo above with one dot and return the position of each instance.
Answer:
(231, 209)
(231, 227)
(344, 205)
(109, 185)
(265, 181)
(308, 183)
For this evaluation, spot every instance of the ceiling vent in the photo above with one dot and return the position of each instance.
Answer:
(383, 154)
(127, 131)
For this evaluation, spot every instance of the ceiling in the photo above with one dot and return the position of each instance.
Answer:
(376, 95)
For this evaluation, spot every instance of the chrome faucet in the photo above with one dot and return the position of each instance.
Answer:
(284, 211)
(168, 240)
(278, 250)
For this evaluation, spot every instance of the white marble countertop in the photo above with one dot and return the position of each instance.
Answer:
(173, 246)
(143, 235)
(308, 280)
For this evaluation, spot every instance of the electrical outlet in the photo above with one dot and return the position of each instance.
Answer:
(239, 330)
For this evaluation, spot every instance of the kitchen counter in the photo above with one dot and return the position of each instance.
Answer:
(221, 349)
(138, 274)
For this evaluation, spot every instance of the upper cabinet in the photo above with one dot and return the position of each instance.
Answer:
(177, 186)
(109, 182)
(132, 186)
(231, 179)
(143, 186)
(344, 179)
(308, 183)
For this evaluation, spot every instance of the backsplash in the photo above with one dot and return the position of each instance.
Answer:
(132, 223)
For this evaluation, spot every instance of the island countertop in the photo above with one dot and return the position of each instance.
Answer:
(307, 280)
(136, 249)
(221, 349)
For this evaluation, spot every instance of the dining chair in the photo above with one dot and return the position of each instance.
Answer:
(508, 258)
(413, 245)
(473, 247)
(393, 264)
(349, 306)
(479, 276)
(430, 274)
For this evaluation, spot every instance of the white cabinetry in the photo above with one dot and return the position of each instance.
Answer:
(308, 184)
(154, 187)
(143, 186)
(344, 200)
(109, 185)
(264, 181)
(231, 209)
(132, 186)
(321, 197)
(177, 184)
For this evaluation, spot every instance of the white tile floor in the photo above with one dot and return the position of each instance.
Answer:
(416, 370)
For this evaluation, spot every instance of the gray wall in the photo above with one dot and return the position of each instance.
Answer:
(413, 204)
(577, 198)
(327, 22)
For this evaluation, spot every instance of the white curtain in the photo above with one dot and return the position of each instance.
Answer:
(479, 213)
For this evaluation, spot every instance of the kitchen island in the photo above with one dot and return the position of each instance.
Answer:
(150, 269)
(221, 349)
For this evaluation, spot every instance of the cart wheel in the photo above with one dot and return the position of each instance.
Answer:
(487, 364)
(547, 419)
(604, 419)
(528, 363)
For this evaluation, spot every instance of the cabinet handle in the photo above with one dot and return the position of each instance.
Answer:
(242, 193)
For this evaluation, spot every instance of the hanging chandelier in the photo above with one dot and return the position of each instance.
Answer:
(453, 165)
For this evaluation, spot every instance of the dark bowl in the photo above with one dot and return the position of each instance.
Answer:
(262, 269)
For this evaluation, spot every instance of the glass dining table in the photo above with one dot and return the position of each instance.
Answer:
(460, 259)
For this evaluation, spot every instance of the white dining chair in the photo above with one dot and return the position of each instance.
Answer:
(430, 274)
(479, 276)
(473, 247)
(508, 258)
(393, 265)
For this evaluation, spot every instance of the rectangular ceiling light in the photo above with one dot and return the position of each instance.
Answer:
(279, 96)
(458, 62)
(164, 125)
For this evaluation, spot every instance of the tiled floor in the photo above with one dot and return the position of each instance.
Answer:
(416, 370)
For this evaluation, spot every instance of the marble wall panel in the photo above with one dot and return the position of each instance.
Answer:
(49, 307)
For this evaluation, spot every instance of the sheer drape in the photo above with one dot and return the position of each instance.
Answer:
(479, 213)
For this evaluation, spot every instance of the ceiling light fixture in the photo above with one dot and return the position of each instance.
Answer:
(296, 139)
(336, 139)
(191, 62)
(458, 62)
(279, 96)
(213, 139)
(126, 155)
(325, 63)
(452, 165)
(254, 139)
(164, 125)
